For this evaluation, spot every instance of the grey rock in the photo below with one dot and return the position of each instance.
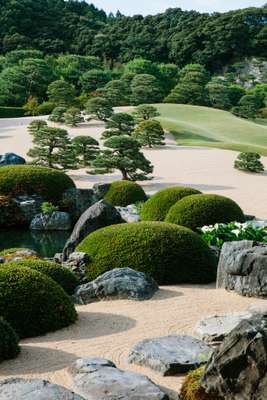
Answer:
(95, 217)
(11, 159)
(119, 283)
(259, 308)
(76, 263)
(129, 214)
(18, 255)
(29, 206)
(56, 221)
(18, 389)
(77, 201)
(214, 329)
(170, 355)
(243, 268)
(99, 379)
(237, 370)
(101, 189)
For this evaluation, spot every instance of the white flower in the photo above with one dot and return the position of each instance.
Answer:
(236, 232)
(206, 229)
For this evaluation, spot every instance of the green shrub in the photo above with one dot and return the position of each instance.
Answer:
(10, 213)
(45, 108)
(157, 207)
(123, 193)
(32, 179)
(33, 303)
(65, 278)
(11, 112)
(9, 341)
(48, 208)
(170, 254)
(204, 209)
(191, 389)
(250, 162)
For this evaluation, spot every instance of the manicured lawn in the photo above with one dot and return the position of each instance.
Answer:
(203, 126)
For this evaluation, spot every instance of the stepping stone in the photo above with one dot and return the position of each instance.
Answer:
(99, 379)
(216, 328)
(18, 389)
(170, 355)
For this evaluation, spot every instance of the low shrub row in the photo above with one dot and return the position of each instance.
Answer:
(11, 112)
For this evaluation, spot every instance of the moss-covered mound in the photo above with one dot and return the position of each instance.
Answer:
(65, 278)
(9, 341)
(170, 254)
(204, 209)
(33, 303)
(123, 193)
(19, 252)
(191, 389)
(32, 179)
(157, 207)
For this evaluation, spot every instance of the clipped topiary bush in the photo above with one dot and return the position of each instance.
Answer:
(33, 303)
(170, 254)
(204, 209)
(9, 341)
(123, 193)
(191, 388)
(64, 277)
(157, 207)
(33, 179)
(11, 112)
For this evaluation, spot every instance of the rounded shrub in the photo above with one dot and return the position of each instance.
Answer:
(33, 303)
(64, 277)
(9, 341)
(157, 207)
(204, 209)
(32, 179)
(192, 389)
(170, 254)
(123, 193)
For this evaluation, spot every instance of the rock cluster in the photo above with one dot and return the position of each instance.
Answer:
(55, 221)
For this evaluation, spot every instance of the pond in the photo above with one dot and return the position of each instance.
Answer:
(46, 244)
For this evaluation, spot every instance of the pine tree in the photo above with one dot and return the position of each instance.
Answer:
(99, 108)
(119, 124)
(73, 116)
(86, 149)
(145, 112)
(149, 133)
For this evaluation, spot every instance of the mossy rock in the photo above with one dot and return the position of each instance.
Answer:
(191, 388)
(64, 277)
(204, 209)
(31, 179)
(19, 253)
(124, 193)
(157, 207)
(9, 341)
(170, 254)
(33, 303)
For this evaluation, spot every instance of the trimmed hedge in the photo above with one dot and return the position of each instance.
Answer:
(11, 112)
(157, 207)
(170, 254)
(204, 209)
(191, 388)
(32, 179)
(33, 303)
(64, 277)
(124, 193)
(9, 341)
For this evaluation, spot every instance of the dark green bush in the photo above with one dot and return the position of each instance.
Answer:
(9, 341)
(10, 213)
(33, 303)
(204, 209)
(32, 179)
(191, 388)
(250, 162)
(123, 193)
(170, 254)
(11, 112)
(157, 207)
(65, 278)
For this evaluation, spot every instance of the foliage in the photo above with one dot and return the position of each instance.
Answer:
(73, 116)
(119, 124)
(10, 213)
(249, 106)
(145, 112)
(57, 114)
(9, 341)
(124, 193)
(48, 208)
(99, 108)
(86, 149)
(93, 79)
(145, 89)
(32, 302)
(117, 92)
(249, 162)
(11, 112)
(150, 133)
(31, 107)
(168, 253)
(32, 179)
(204, 209)
(61, 93)
(45, 108)
(192, 389)
(157, 207)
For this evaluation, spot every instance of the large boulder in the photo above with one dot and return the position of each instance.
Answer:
(98, 379)
(11, 159)
(170, 355)
(29, 205)
(76, 263)
(238, 368)
(18, 389)
(77, 201)
(243, 268)
(101, 189)
(129, 214)
(97, 216)
(55, 221)
(119, 283)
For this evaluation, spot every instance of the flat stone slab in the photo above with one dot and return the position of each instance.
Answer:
(214, 329)
(24, 389)
(99, 379)
(170, 355)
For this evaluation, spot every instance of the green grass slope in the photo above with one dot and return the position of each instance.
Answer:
(203, 126)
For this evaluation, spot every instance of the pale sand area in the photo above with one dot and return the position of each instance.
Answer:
(209, 170)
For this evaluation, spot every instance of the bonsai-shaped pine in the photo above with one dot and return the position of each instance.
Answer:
(57, 115)
(149, 133)
(99, 108)
(86, 149)
(145, 112)
(123, 154)
(119, 124)
(36, 125)
(73, 116)
(249, 162)
(61, 93)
